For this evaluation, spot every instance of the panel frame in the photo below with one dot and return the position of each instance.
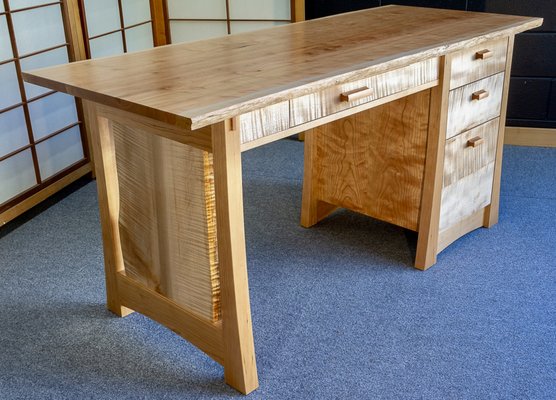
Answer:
(20, 203)
(297, 13)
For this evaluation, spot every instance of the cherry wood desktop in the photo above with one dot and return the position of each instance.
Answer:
(403, 110)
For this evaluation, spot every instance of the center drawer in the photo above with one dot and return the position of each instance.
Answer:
(351, 94)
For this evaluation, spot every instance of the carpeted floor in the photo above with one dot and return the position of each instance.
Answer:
(338, 310)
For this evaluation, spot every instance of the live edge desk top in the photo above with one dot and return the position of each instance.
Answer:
(403, 110)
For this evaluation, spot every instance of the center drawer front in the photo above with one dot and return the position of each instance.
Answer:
(468, 173)
(465, 112)
(329, 101)
(478, 62)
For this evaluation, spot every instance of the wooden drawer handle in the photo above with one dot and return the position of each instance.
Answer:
(483, 54)
(356, 94)
(475, 142)
(481, 94)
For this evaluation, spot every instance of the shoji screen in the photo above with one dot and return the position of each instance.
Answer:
(116, 26)
(40, 130)
(190, 20)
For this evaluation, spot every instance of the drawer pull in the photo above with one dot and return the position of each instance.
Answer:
(475, 142)
(356, 94)
(481, 94)
(483, 54)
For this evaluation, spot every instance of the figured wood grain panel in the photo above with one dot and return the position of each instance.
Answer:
(461, 160)
(460, 228)
(317, 105)
(264, 122)
(373, 162)
(467, 67)
(465, 113)
(466, 196)
(167, 218)
(201, 83)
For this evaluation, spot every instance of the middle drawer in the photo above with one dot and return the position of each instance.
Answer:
(473, 104)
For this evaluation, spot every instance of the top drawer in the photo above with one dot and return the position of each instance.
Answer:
(478, 62)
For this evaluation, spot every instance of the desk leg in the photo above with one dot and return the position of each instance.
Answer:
(240, 369)
(312, 209)
(429, 216)
(108, 198)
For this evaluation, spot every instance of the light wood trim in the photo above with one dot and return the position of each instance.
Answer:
(298, 10)
(240, 369)
(109, 205)
(429, 217)
(457, 230)
(42, 195)
(491, 214)
(538, 137)
(74, 29)
(333, 117)
(200, 139)
(206, 335)
(158, 15)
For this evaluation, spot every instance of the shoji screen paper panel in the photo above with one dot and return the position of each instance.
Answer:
(40, 130)
(190, 20)
(117, 26)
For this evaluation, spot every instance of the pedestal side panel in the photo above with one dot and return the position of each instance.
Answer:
(167, 218)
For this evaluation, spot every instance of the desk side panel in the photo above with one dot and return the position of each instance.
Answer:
(167, 218)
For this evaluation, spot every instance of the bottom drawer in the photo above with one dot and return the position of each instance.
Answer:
(466, 196)
(468, 173)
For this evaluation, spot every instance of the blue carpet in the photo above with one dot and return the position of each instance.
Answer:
(338, 310)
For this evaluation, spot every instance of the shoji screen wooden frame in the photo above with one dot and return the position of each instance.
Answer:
(297, 13)
(43, 187)
(77, 44)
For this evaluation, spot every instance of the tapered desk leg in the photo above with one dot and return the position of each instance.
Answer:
(429, 215)
(108, 198)
(240, 369)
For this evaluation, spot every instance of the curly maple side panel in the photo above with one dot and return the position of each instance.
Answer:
(167, 218)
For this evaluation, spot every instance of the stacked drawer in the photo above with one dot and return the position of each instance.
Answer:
(475, 99)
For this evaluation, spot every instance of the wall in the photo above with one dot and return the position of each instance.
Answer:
(532, 100)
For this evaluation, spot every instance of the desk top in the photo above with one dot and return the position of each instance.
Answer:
(196, 84)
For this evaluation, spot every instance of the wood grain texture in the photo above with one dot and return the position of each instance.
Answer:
(429, 215)
(461, 160)
(240, 367)
(466, 196)
(467, 67)
(312, 209)
(264, 122)
(158, 15)
(102, 139)
(204, 334)
(465, 113)
(182, 85)
(317, 105)
(167, 218)
(460, 228)
(373, 162)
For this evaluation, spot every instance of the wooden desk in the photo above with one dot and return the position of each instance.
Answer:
(404, 109)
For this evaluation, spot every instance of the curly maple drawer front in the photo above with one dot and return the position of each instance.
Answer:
(468, 173)
(474, 104)
(478, 62)
(347, 95)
